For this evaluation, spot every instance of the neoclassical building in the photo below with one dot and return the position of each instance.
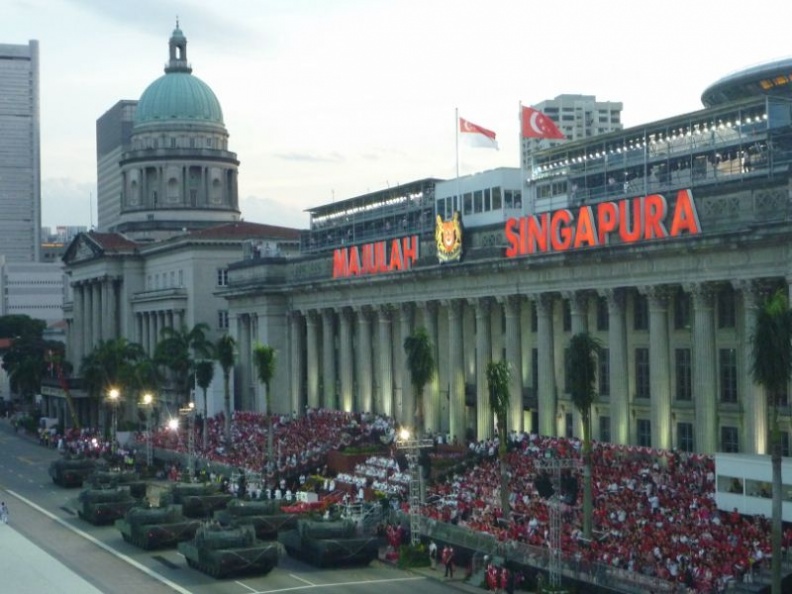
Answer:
(660, 240)
(170, 225)
(171, 169)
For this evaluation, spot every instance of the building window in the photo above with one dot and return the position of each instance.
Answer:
(567, 315)
(727, 359)
(604, 372)
(684, 374)
(567, 370)
(569, 425)
(222, 277)
(727, 315)
(534, 318)
(222, 319)
(685, 437)
(644, 433)
(603, 321)
(640, 312)
(681, 310)
(642, 373)
(730, 442)
(784, 443)
(181, 278)
(604, 429)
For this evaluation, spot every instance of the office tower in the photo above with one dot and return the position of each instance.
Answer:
(113, 134)
(20, 153)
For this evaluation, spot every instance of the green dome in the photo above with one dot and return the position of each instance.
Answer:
(179, 97)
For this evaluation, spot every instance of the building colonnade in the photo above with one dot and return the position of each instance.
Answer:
(674, 371)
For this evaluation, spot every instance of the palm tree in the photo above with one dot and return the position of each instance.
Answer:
(771, 368)
(264, 361)
(112, 364)
(204, 374)
(226, 355)
(583, 349)
(421, 364)
(498, 380)
(178, 350)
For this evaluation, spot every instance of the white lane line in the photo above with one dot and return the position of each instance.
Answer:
(137, 565)
(245, 586)
(360, 583)
(297, 577)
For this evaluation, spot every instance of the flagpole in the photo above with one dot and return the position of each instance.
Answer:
(458, 202)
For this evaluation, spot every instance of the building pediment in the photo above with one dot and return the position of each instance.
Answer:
(82, 248)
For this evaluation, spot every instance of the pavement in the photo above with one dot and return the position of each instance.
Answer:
(22, 564)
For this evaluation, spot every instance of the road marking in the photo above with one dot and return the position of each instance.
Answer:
(245, 586)
(297, 577)
(360, 583)
(101, 545)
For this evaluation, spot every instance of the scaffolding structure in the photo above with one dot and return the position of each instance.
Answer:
(412, 451)
(553, 467)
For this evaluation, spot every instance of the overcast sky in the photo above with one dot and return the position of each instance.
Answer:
(330, 99)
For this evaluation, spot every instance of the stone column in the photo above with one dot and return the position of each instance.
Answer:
(756, 428)
(431, 397)
(705, 378)
(547, 382)
(328, 360)
(312, 354)
(107, 330)
(78, 323)
(296, 345)
(96, 312)
(345, 358)
(404, 378)
(456, 371)
(364, 403)
(511, 305)
(384, 395)
(484, 418)
(659, 367)
(87, 318)
(618, 372)
(527, 341)
(248, 388)
(578, 310)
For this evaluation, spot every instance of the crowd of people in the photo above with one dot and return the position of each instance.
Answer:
(654, 511)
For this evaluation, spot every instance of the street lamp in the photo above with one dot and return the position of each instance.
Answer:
(114, 396)
(148, 404)
(188, 412)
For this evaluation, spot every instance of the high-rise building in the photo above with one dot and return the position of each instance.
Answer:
(113, 138)
(578, 117)
(20, 153)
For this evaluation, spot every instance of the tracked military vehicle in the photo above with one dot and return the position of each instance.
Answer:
(158, 527)
(103, 478)
(71, 472)
(104, 505)
(329, 542)
(199, 500)
(266, 517)
(220, 552)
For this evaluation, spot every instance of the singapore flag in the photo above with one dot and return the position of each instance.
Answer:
(535, 124)
(476, 136)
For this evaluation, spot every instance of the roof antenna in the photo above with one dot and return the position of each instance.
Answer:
(177, 21)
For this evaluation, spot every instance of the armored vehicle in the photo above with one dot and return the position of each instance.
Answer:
(200, 500)
(329, 542)
(104, 506)
(266, 517)
(157, 527)
(220, 552)
(103, 478)
(71, 472)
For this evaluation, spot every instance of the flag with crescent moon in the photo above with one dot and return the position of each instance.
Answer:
(477, 136)
(535, 124)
